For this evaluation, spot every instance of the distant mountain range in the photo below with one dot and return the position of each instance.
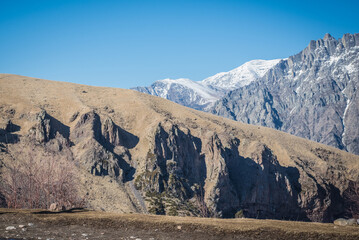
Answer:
(201, 95)
(312, 94)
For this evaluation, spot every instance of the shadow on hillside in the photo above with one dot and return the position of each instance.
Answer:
(265, 188)
(7, 135)
(72, 210)
(57, 126)
(178, 155)
(1, 213)
(128, 139)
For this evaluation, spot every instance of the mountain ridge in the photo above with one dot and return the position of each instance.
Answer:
(240, 76)
(311, 94)
(173, 155)
(201, 95)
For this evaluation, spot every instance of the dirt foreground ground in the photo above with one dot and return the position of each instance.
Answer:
(82, 224)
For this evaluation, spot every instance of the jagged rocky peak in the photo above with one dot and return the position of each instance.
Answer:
(331, 44)
(327, 36)
(311, 94)
(350, 40)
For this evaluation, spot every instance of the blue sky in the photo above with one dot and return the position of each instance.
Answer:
(133, 43)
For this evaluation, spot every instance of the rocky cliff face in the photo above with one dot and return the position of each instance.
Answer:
(135, 152)
(235, 176)
(312, 94)
(101, 146)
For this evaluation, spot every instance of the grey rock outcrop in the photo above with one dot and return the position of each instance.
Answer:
(100, 146)
(312, 94)
(40, 132)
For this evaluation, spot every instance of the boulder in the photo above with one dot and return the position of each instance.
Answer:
(53, 207)
(56, 207)
(352, 222)
(346, 222)
(341, 222)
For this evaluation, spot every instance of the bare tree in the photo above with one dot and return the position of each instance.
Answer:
(11, 187)
(37, 179)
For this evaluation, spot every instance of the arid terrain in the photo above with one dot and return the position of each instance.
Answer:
(179, 120)
(80, 224)
(133, 152)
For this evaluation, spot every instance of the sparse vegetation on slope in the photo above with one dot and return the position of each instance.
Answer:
(39, 178)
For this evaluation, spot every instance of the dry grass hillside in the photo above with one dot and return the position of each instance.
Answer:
(139, 153)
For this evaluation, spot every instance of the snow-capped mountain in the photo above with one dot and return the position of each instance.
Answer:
(201, 95)
(313, 94)
(183, 91)
(240, 76)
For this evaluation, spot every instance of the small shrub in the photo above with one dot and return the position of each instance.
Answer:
(157, 205)
(239, 214)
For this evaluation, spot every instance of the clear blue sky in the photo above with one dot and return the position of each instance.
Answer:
(133, 43)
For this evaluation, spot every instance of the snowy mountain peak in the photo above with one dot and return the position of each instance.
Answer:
(202, 94)
(183, 91)
(170, 80)
(240, 76)
(180, 81)
(185, 83)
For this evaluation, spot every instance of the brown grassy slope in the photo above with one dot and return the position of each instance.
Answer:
(139, 112)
